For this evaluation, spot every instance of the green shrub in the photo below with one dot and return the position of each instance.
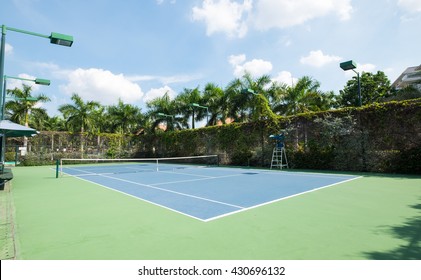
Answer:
(408, 161)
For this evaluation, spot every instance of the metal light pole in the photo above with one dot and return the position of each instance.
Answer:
(167, 116)
(55, 38)
(44, 82)
(207, 122)
(351, 65)
(37, 81)
(203, 107)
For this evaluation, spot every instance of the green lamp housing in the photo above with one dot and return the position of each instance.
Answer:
(61, 39)
(348, 65)
(43, 82)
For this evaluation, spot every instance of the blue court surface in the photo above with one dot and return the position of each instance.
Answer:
(207, 193)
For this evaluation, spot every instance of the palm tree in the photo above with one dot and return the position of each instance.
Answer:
(23, 104)
(276, 94)
(125, 117)
(184, 106)
(305, 96)
(39, 120)
(79, 116)
(214, 98)
(243, 105)
(160, 110)
(55, 123)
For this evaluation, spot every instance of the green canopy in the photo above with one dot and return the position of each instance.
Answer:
(11, 129)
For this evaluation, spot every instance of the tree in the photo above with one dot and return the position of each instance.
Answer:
(163, 111)
(247, 98)
(39, 120)
(374, 88)
(214, 98)
(184, 106)
(304, 96)
(55, 123)
(79, 116)
(408, 92)
(23, 104)
(124, 117)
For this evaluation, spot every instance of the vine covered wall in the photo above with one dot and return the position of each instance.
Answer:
(383, 137)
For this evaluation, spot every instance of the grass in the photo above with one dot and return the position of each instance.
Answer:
(375, 217)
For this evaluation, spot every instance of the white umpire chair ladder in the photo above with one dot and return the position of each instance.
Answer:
(278, 156)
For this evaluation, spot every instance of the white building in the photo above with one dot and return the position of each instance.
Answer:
(410, 77)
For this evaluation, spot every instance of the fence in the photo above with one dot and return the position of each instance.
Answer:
(46, 147)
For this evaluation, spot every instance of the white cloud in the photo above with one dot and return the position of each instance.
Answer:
(165, 79)
(410, 6)
(15, 83)
(8, 49)
(158, 92)
(235, 60)
(285, 77)
(286, 13)
(367, 67)
(256, 67)
(102, 86)
(224, 16)
(35, 89)
(318, 59)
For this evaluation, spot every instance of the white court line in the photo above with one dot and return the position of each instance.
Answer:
(170, 191)
(279, 199)
(194, 180)
(90, 173)
(79, 170)
(182, 173)
(306, 174)
(240, 208)
(142, 199)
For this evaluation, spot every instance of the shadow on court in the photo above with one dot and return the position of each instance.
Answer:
(410, 232)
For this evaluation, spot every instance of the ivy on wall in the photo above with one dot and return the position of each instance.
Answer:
(382, 137)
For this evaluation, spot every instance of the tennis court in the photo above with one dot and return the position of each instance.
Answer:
(200, 191)
(118, 215)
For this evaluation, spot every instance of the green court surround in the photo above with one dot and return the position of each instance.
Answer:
(375, 217)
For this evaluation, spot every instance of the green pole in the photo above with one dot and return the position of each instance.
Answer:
(16, 154)
(57, 167)
(2, 51)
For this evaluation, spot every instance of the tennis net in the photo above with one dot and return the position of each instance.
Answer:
(88, 167)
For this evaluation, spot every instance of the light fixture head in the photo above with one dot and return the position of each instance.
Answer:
(348, 65)
(43, 82)
(61, 39)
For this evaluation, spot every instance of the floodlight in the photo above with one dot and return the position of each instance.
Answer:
(351, 65)
(43, 82)
(61, 39)
(348, 65)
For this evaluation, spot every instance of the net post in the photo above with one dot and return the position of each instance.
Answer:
(57, 167)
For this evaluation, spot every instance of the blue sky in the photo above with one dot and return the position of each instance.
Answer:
(138, 50)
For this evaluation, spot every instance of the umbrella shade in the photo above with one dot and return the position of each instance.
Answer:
(11, 129)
